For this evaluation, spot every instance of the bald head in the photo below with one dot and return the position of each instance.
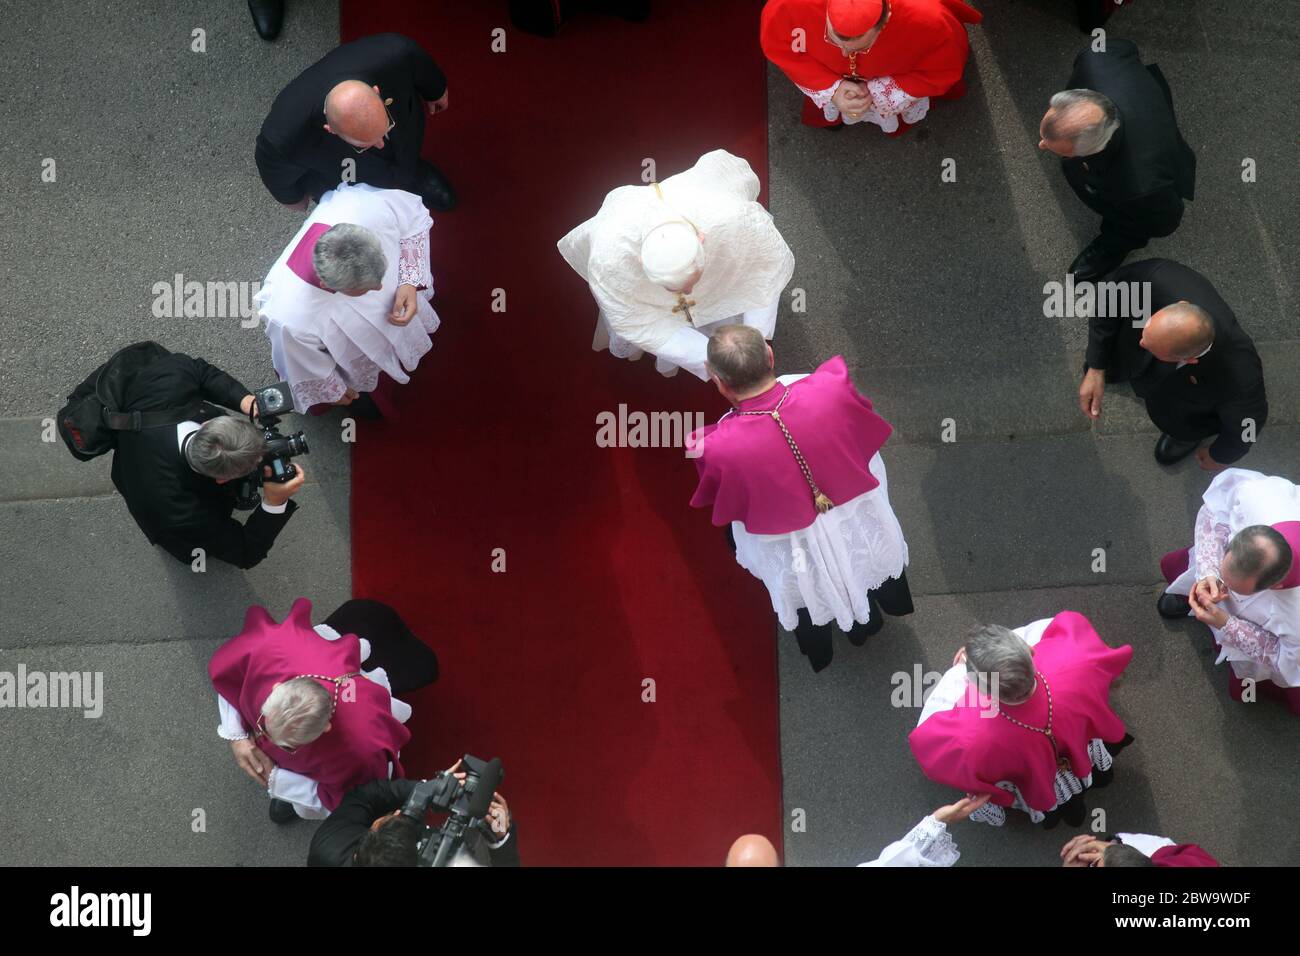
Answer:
(355, 113)
(1178, 332)
(752, 850)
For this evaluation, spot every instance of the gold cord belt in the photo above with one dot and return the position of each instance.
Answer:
(820, 500)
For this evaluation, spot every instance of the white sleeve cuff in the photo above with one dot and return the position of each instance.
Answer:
(232, 725)
(274, 509)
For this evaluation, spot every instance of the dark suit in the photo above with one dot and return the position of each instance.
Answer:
(336, 840)
(297, 157)
(177, 508)
(1139, 181)
(1216, 395)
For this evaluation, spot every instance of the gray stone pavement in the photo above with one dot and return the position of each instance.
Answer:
(932, 290)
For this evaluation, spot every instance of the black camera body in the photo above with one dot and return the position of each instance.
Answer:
(269, 404)
(464, 803)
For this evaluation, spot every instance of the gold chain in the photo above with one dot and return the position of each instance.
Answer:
(822, 503)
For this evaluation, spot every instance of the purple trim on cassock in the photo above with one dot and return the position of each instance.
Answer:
(299, 261)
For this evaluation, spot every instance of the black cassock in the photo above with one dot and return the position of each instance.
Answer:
(297, 157)
(1216, 394)
(1139, 181)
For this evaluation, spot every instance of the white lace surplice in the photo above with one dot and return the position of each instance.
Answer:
(952, 688)
(888, 103)
(1261, 640)
(746, 262)
(927, 844)
(323, 342)
(829, 566)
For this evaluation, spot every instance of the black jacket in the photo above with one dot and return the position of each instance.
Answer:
(1216, 394)
(1146, 171)
(177, 508)
(296, 156)
(336, 840)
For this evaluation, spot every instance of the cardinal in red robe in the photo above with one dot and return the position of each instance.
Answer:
(875, 61)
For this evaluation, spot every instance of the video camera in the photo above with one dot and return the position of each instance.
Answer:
(269, 404)
(465, 803)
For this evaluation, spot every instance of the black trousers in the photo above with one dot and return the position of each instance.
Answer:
(1120, 232)
(893, 597)
(407, 661)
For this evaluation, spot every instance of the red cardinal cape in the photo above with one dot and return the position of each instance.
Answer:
(364, 736)
(963, 750)
(748, 472)
(923, 46)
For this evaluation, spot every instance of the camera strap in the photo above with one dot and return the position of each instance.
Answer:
(137, 421)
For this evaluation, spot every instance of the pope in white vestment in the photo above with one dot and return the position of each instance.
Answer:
(328, 342)
(1259, 633)
(669, 262)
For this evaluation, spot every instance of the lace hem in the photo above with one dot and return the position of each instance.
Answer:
(1211, 543)
(413, 260)
(889, 101)
(1251, 639)
(830, 566)
(934, 843)
(1066, 786)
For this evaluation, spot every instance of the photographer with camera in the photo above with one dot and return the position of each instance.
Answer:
(180, 461)
(381, 824)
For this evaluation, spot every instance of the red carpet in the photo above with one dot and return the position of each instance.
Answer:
(611, 578)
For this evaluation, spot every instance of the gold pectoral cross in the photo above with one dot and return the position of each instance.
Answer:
(684, 305)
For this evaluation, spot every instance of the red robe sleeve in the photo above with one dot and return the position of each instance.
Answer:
(937, 46)
(781, 18)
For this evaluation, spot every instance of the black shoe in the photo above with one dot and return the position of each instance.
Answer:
(363, 406)
(1170, 451)
(268, 17)
(282, 811)
(1096, 260)
(434, 188)
(1173, 606)
(858, 636)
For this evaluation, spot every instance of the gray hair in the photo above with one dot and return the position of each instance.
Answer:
(994, 649)
(1262, 553)
(297, 712)
(737, 354)
(225, 448)
(349, 257)
(1086, 139)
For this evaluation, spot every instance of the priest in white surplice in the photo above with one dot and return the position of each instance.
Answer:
(349, 297)
(671, 261)
(1240, 578)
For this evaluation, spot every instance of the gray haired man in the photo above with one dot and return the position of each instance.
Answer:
(1115, 131)
(180, 481)
(346, 305)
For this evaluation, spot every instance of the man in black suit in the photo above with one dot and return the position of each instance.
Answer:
(1193, 365)
(356, 115)
(368, 829)
(1115, 131)
(179, 481)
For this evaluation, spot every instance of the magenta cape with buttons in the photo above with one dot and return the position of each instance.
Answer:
(963, 750)
(748, 473)
(363, 736)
